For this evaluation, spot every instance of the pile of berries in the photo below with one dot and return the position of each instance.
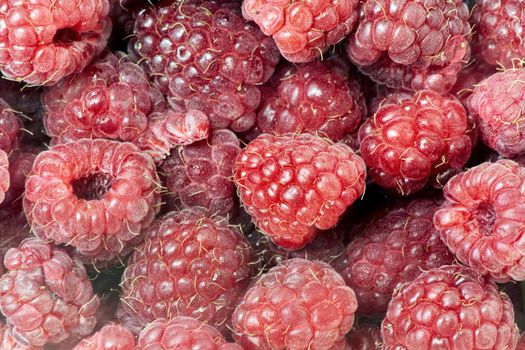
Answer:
(262, 175)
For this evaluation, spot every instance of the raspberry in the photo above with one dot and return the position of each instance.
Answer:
(111, 98)
(181, 333)
(365, 338)
(41, 42)
(416, 141)
(498, 103)
(110, 337)
(521, 343)
(481, 219)
(294, 185)
(303, 30)
(298, 304)
(314, 97)
(4, 175)
(394, 247)
(191, 264)
(96, 195)
(451, 307)
(46, 296)
(8, 342)
(10, 126)
(200, 174)
(13, 230)
(414, 44)
(205, 57)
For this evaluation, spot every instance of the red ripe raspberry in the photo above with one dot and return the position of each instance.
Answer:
(10, 126)
(393, 248)
(8, 342)
(294, 185)
(451, 307)
(43, 41)
(416, 141)
(4, 175)
(181, 333)
(365, 338)
(111, 98)
(204, 56)
(298, 304)
(200, 174)
(191, 264)
(45, 295)
(481, 219)
(97, 196)
(413, 44)
(110, 337)
(303, 30)
(499, 31)
(314, 97)
(498, 104)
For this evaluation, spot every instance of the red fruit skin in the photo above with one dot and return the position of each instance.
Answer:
(10, 126)
(13, 230)
(393, 247)
(180, 333)
(204, 56)
(366, 337)
(497, 103)
(4, 175)
(450, 307)
(414, 45)
(110, 337)
(210, 264)
(480, 220)
(303, 31)
(298, 304)
(499, 32)
(314, 97)
(42, 42)
(416, 141)
(98, 196)
(8, 342)
(46, 296)
(294, 185)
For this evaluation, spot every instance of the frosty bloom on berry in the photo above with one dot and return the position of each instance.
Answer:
(45, 295)
(416, 141)
(97, 196)
(481, 220)
(43, 41)
(191, 264)
(294, 185)
(414, 44)
(299, 304)
(451, 307)
(204, 56)
(110, 337)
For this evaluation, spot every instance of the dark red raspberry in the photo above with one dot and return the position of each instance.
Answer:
(46, 296)
(10, 126)
(499, 31)
(200, 174)
(41, 42)
(204, 56)
(112, 98)
(412, 44)
(314, 97)
(181, 333)
(96, 195)
(365, 337)
(303, 30)
(498, 106)
(191, 264)
(4, 175)
(110, 337)
(298, 304)
(416, 141)
(294, 185)
(394, 246)
(8, 342)
(451, 307)
(481, 219)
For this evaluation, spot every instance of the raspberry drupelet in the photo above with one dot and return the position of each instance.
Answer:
(45, 295)
(110, 337)
(303, 30)
(204, 56)
(295, 185)
(416, 141)
(41, 42)
(98, 196)
(481, 219)
(414, 44)
(299, 304)
(452, 307)
(8, 342)
(191, 264)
